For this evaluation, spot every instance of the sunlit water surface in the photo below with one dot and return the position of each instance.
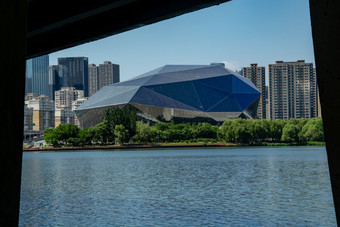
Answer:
(256, 186)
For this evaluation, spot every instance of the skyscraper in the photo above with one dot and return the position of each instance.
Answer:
(292, 90)
(76, 73)
(37, 75)
(55, 79)
(257, 75)
(108, 74)
(93, 79)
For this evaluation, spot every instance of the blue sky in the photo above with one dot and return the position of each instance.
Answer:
(239, 32)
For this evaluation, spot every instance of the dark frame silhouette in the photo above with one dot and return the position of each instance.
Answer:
(30, 28)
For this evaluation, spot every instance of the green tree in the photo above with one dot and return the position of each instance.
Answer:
(163, 126)
(173, 135)
(143, 133)
(103, 133)
(242, 133)
(86, 135)
(48, 131)
(126, 117)
(258, 129)
(275, 129)
(206, 130)
(290, 133)
(122, 134)
(74, 141)
(63, 134)
(156, 135)
(266, 127)
(227, 131)
(50, 137)
(182, 131)
(313, 130)
(236, 130)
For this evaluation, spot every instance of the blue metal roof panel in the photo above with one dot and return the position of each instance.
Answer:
(229, 104)
(187, 75)
(245, 80)
(153, 72)
(246, 99)
(178, 68)
(140, 81)
(183, 92)
(208, 95)
(110, 95)
(243, 85)
(146, 96)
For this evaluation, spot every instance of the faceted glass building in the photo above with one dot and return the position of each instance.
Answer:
(183, 93)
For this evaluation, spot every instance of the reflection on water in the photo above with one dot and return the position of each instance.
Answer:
(237, 187)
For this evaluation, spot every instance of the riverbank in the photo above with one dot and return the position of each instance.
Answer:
(166, 145)
(135, 146)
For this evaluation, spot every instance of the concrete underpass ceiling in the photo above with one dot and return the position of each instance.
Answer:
(53, 26)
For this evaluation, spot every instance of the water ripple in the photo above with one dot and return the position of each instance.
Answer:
(189, 187)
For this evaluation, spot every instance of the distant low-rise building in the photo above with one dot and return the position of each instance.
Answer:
(65, 96)
(63, 105)
(43, 111)
(75, 105)
(28, 117)
(64, 115)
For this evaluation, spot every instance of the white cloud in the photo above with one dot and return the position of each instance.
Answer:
(232, 65)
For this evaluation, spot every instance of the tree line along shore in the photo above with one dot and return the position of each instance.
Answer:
(121, 127)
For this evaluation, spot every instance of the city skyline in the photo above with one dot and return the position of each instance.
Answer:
(238, 33)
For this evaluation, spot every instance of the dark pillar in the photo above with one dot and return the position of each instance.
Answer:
(12, 87)
(325, 18)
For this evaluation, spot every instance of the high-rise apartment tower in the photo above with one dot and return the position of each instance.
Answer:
(257, 75)
(93, 79)
(108, 74)
(102, 76)
(292, 90)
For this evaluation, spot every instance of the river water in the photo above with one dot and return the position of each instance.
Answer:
(252, 186)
